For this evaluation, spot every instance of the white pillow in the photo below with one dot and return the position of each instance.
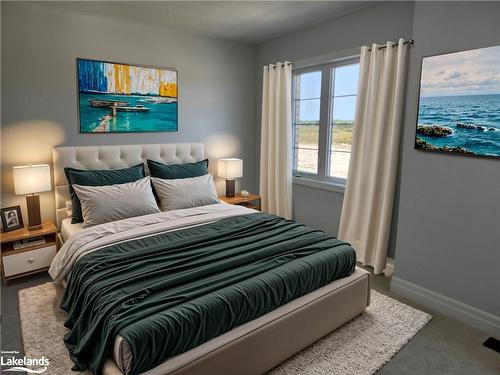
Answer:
(102, 204)
(185, 192)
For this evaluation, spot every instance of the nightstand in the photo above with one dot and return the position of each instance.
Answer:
(33, 258)
(250, 201)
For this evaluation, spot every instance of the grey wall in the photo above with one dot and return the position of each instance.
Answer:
(378, 23)
(448, 236)
(446, 225)
(39, 105)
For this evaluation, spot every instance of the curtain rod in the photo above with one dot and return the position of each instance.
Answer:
(282, 64)
(410, 42)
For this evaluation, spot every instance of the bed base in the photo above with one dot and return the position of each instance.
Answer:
(258, 346)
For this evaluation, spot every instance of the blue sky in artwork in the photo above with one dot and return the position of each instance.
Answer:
(345, 83)
(472, 72)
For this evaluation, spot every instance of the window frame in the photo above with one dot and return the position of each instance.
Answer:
(322, 178)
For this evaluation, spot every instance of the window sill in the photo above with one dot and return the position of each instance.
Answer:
(318, 184)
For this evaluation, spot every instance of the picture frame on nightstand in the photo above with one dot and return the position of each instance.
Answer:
(12, 218)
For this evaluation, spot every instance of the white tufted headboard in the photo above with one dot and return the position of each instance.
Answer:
(114, 157)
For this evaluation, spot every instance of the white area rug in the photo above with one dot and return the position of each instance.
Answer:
(360, 347)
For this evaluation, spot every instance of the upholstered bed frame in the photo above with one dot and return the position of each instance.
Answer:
(258, 345)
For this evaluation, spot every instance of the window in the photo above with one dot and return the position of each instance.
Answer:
(324, 103)
(307, 113)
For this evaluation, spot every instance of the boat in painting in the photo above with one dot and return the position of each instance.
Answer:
(137, 108)
(107, 103)
(159, 100)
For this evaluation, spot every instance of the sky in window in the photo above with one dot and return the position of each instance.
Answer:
(310, 85)
(346, 83)
(346, 80)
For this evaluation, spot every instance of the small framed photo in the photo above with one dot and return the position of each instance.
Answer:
(11, 218)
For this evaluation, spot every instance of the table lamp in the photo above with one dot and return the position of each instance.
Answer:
(230, 169)
(28, 180)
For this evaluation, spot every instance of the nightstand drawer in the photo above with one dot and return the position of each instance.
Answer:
(28, 261)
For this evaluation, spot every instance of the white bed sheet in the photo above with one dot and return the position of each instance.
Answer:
(68, 229)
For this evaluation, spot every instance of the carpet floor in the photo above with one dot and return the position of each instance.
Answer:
(361, 346)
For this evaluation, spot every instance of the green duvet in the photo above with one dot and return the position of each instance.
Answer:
(168, 293)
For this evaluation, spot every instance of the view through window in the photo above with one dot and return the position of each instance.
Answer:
(307, 114)
(324, 107)
(343, 105)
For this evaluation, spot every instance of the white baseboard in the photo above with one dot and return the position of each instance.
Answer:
(482, 320)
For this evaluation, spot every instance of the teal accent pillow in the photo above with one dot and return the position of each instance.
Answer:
(98, 178)
(175, 171)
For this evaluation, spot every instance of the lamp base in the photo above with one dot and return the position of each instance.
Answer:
(34, 217)
(229, 188)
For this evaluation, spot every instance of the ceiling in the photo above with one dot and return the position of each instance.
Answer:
(243, 21)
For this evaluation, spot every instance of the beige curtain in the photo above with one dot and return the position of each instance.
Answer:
(369, 194)
(276, 140)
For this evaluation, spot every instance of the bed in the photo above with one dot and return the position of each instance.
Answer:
(255, 345)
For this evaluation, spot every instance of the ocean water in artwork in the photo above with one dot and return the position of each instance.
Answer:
(160, 117)
(473, 119)
(459, 109)
(126, 98)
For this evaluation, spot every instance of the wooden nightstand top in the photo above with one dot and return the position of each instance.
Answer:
(238, 199)
(48, 227)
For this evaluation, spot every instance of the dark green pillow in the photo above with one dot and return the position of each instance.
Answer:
(98, 178)
(175, 171)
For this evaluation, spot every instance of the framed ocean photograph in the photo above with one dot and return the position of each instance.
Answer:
(122, 98)
(459, 103)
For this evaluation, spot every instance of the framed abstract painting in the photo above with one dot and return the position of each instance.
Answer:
(459, 104)
(121, 98)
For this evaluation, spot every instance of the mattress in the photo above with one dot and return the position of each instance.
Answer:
(68, 229)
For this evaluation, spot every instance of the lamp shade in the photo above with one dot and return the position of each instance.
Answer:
(230, 168)
(30, 179)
